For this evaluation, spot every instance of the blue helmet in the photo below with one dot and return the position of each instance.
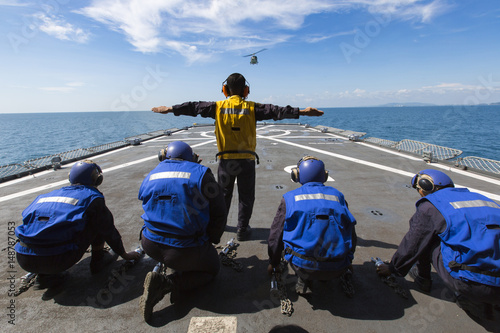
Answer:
(86, 173)
(429, 179)
(309, 169)
(176, 150)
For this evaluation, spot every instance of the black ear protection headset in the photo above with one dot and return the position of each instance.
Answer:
(295, 173)
(97, 176)
(162, 154)
(227, 92)
(424, 182)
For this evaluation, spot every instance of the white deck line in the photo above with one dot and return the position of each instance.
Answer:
(380, 166)
(354, 160)
(63, 182)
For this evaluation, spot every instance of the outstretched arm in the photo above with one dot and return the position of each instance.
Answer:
(193, 109)
(311, 112)
(162, 109)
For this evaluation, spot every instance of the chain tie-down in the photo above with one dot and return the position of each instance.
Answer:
(227, 255)
(278, 289)
(391, 280)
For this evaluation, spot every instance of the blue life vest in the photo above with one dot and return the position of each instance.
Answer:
(318, 228)
(53, 221)
(176, 213)
(470, 245)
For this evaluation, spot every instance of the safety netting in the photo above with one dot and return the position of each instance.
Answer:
(480, 163)
(16, 170)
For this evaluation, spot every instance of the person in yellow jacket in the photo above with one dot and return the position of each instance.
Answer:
(236, 133)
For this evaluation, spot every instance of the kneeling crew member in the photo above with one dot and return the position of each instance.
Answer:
(314, 228)
(458, 232)
(184, 213)
(59, 226)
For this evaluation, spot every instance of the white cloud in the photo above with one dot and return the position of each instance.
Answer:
(60, 29)
(75, 84)
(419, 10)
(69, 87)
(316, 39)
(196, 29)
(451, 86)
(442, 93)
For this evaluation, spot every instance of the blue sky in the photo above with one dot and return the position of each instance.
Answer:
(110, 55)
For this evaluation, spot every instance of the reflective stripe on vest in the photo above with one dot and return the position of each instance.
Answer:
(235, 111)
(170, 174)
(473, 203)
(66, 200)
(316, 196)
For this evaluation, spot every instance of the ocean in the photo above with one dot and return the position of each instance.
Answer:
(473, 129)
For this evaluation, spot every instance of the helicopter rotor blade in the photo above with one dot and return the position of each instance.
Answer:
(252, 54)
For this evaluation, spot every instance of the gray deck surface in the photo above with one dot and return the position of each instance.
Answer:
(374, 181)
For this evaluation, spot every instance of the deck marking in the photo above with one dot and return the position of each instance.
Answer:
(354, 160)
(390, 151)
(38, 174)
(213, 324)
(351, 159)
(33, 190)
(63, 182)
(374, 165)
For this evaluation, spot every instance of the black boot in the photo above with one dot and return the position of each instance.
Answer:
(156, 286)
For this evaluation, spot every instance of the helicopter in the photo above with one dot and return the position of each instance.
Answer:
(253, 59)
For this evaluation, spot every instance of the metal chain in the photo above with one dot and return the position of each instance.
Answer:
(391, 279)
(227, 255)
(393, 283)
(228, 260)
(27, 281)
(285, 302)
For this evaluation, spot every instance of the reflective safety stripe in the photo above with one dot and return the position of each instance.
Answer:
(473, 203)
(234, 111)
(71, 201)
(316, 196)
(170, 174)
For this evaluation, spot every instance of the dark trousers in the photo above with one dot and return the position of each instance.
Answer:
(60, 262)
(474, 292)
(244, 172)
(193, 266)
(307, 274)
